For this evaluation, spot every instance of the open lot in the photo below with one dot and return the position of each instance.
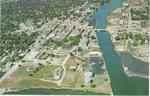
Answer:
(71, 76)
(21, 79)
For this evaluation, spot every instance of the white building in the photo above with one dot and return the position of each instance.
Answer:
(88, 78)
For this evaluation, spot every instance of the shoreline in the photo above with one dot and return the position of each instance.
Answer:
(128, 72)
(131, 74)
(62, 88)
(136, 56)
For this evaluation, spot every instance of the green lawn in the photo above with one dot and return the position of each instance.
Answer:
(27, 83)
(21, 72)
(21, 79)
(42, 72)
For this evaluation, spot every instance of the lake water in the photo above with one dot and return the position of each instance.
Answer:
(121, 84)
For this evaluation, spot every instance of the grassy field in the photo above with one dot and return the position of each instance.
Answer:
(21, 83)
(72, 77)
(39, 72)
(44, 72)
(21, 79)
(44, 91)
(70, 62)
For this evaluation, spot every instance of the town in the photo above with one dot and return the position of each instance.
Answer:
(65, 54)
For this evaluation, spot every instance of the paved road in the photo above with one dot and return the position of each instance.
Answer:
(13, 69)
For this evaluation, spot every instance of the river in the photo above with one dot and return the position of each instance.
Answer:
(121, 83)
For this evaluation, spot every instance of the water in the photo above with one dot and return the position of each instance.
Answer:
(135, 65)
(96, 65)
(121, 84)
(100, 16)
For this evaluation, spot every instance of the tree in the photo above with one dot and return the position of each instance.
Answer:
(80, 49)
(93, 37)
(142, 41)
(93, 85)
(82, 85)
(135, 43)
(126, 35)
(40, 64)
(30, 74)
(138, 37)
(117, 38)
(130, 35)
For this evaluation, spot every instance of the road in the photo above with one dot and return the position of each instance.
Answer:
(63, 66)
(129, 22)
(13, 69)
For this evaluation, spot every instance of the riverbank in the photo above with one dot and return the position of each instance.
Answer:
(131, 74)
(131, 50)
